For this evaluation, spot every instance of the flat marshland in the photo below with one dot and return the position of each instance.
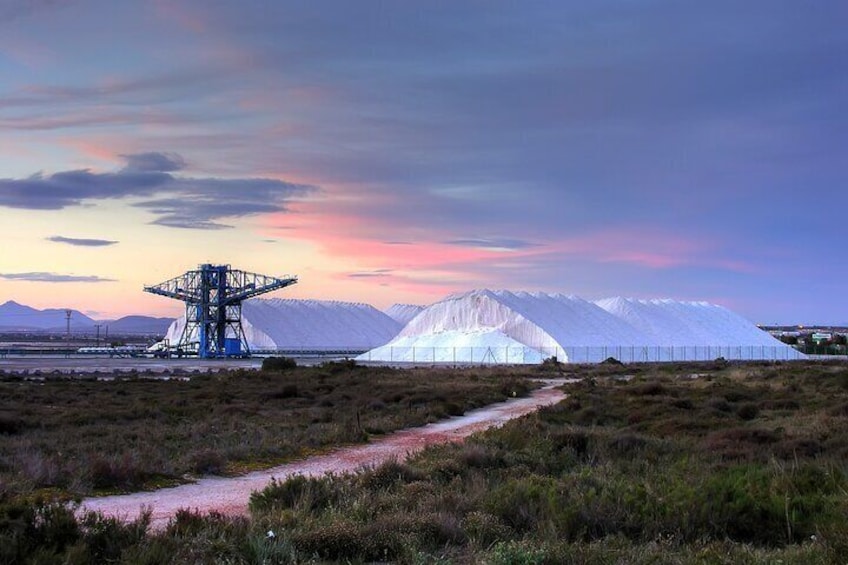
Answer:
(82, 435)
(671, 463)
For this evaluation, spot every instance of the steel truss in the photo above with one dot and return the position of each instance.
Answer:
(213, 295)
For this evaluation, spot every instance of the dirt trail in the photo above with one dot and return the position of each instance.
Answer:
(231, 495)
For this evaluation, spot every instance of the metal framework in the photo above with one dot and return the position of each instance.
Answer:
(213, 295)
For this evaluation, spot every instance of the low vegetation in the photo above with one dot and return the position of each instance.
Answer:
(85, 435)
(699, 463)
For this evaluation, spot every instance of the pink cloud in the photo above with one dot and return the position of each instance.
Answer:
(651, 248)
(369, 242)
(373, 245)
(104, 149)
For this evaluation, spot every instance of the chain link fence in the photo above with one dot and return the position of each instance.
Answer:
(578, 354)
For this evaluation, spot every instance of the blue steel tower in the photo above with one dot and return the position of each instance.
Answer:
(213, 295)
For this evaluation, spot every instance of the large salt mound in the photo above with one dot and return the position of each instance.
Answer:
(308, 325)
(403, 313)
(492, 326)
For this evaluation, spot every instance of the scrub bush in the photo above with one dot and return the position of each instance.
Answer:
(278, 364)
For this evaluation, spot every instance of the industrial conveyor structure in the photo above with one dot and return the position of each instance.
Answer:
(213, 295)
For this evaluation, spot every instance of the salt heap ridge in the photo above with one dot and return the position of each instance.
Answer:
(403, 313)
(278, 324)
(671, 322)
(487, 326)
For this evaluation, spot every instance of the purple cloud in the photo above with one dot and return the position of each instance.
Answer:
(81, 242)
(154, 162)
(192, 203)
(54, 278)
(493, 243)
(376, 273)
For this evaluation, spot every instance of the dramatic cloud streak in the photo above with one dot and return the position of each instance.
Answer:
(71, 188)
(194, 203)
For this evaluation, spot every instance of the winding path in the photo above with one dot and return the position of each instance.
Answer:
(230, 495)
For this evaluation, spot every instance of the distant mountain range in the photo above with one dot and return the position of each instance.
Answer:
(19, 317)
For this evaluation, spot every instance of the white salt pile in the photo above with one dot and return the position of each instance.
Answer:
(403, 313)
(308, 325)
(521, 327)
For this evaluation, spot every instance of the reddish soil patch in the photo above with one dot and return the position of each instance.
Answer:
(231, 495)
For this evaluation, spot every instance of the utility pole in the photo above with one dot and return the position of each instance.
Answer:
(97, 338)
(68, 325)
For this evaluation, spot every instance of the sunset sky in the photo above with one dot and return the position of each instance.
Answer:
(399, 151)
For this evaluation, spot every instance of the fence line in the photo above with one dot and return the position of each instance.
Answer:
(578, 354)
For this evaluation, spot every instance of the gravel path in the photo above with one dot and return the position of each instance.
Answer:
(231, 495)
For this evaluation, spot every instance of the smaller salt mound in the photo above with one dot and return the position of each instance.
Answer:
(308, 325)
(695, 330)
(403, 313)
(455, 347)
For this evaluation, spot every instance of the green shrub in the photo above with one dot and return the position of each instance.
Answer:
(755, 504)
(475, 455)
(738, 395)
(308, 493)
(748, 411)
(523, 503)
(288, 390)
(278, 364)
(781, 404)
(10, 424)
(47, 528)
(746, 443)
(106, 538)
(515, 387)
(126, 471)
(571, 439)
(484, 529)
(336, 367)
(517, 553)
(265, 548)
(344, 540)
(208, 462)
(648, 389)
(388, 474)
(720, 404)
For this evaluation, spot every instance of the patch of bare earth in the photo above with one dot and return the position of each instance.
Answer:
(231, 495)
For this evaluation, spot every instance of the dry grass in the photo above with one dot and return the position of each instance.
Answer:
(82, 435)
(660, 468)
